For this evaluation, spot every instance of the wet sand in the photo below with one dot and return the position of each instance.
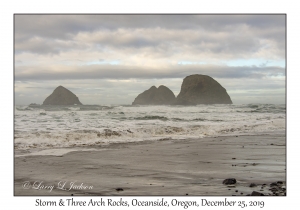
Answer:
(167, 167)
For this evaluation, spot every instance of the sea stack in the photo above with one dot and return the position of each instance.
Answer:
(62, 96)
(155, 96)
(202, 89)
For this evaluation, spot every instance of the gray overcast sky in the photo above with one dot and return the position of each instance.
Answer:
(110, 59)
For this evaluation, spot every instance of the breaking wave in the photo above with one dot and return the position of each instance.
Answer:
(69, 126)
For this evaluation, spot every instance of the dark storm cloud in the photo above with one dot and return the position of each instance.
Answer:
(65, 27)
(41, 45)
(60, 26)
(162, 41)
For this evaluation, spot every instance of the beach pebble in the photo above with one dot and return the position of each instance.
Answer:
(254, 193)
(273, 189)
(279, 182)
(119, 189)
(252, 185)
(229, 181)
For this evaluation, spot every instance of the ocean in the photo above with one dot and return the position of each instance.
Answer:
(54, 127)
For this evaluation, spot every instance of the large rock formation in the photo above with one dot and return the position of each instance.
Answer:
(202, 89)
(62, 96)
(155, 96)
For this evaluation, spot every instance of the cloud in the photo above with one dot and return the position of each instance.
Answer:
(78, 72)
(60, 26)
(81, 51)
(216, 34)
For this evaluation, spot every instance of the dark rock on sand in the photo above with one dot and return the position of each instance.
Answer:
(252, 185)
(279, 182)
(62, 96)
(202, 89)
(155, 96)
(119, 189)
(273, 189)
(254, 193)
(229, 181)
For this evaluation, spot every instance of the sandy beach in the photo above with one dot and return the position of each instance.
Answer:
(195, 167)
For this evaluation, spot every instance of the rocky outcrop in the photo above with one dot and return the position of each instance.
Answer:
(202, 89)
(62, 96)
(155, 96)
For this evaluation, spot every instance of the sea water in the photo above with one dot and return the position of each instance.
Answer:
(52, 127)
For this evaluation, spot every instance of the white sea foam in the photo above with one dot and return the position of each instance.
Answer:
(69, 126)
(55, 152)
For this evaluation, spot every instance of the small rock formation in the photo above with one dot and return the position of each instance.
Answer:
(155, 96)
(254, 193)
(202, 89)
(62, 96)
(229, 181)
(273, 184)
